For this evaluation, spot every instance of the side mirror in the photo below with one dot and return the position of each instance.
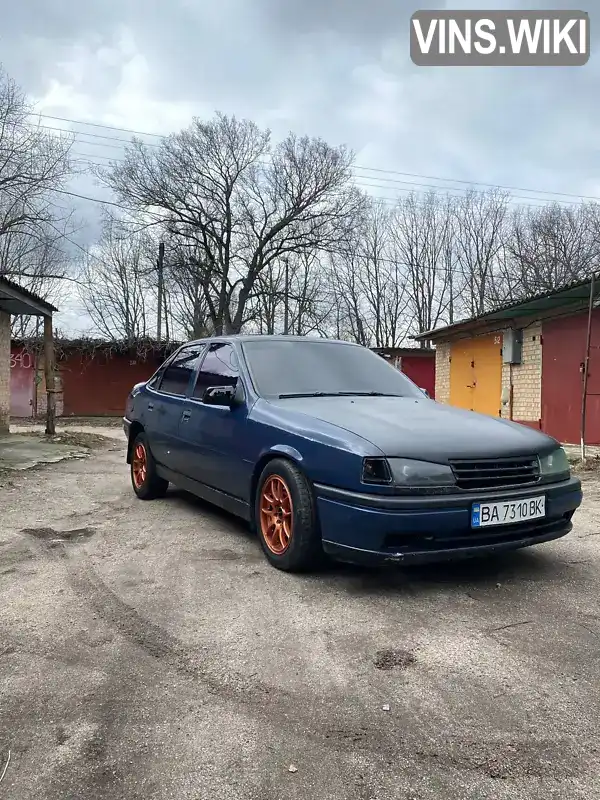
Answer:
(219, 396)
(425, 392)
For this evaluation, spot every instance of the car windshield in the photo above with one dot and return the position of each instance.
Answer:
(321, 368)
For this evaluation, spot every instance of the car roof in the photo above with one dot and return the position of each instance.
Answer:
(260, 337)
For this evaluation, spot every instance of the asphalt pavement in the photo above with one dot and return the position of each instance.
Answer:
(147, 650)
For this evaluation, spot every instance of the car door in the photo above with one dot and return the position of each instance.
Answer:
(212, 434)
(164, 404)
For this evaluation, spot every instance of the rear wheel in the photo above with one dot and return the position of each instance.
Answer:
(146, 483)
(285, 517)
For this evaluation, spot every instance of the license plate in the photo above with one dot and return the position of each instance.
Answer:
(507, 512)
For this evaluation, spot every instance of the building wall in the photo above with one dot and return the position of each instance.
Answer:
(4, 372)
(526, 377)
(22, 384)
(526, 380)
(564, 353)
(442, 372)
(98, 384)
(421, 370)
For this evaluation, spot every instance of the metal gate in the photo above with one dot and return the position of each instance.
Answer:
(476, 374)
(563, 357)
(22, 382)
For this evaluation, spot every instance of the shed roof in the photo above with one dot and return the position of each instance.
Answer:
(568, 300)
(14, 299)
(403, 352)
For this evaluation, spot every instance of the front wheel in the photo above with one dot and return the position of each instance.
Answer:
(286, 519)
(146, 483)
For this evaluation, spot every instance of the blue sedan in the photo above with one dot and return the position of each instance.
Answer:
(325, 448)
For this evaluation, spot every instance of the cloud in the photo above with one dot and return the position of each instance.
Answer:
(332, 68)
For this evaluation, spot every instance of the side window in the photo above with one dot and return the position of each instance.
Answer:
(154, 382)
(176, 377)
(220, 368)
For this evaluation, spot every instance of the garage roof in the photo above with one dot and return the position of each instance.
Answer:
(420, 352)
(14, 299)
(570, 299)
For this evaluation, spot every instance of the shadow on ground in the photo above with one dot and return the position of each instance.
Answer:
(473, 573)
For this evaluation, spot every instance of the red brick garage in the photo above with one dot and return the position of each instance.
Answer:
(563, 358)
(96, 378)
(417, 363)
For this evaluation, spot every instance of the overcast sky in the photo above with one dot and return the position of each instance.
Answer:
(339, 69)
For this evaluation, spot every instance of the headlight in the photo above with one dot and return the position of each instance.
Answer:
(410, 474)
(555, 463)
(376, 470)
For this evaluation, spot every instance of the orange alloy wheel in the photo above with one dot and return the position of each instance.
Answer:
(276, 514)
(140, 466)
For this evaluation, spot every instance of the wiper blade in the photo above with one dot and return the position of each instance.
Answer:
(369, 394)
(309, 394)
(338, 394)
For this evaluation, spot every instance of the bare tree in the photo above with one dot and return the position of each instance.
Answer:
(116, 288)
(292, 296)
(222, 188)
(346, 277)
(370, 282)
(184, 276)
(33, 163)
(480, 229)
(37, 264)
(549, 247)
(266, 305)
(312, 302)
(423, 236)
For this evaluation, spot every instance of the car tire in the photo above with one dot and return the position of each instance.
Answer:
(285, 518)
(147, 484)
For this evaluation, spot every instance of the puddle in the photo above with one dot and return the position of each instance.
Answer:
(52, 537)
(394, 659)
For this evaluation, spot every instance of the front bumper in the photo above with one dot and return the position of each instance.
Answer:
(372, 529)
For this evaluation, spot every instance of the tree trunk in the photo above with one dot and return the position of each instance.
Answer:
(49, 369)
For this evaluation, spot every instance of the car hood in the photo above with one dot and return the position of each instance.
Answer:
(421, 428)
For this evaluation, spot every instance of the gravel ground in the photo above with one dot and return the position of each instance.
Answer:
(148, 651)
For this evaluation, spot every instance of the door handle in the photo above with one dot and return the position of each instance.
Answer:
(185, 416)
(150, 406)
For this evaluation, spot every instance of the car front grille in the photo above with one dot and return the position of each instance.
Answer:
(498, 473)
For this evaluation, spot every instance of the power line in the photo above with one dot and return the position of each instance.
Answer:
(386, 199)
(91, 199)
(93, 135)
(359, 167)
(407, 186)
(395, 181)
(94, 155)
(478, 183)
(458, 189)
(96, 125)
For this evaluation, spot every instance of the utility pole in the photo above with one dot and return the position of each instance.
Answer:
(159, 266)
(286, 297)
(586, 366)
(49, 369)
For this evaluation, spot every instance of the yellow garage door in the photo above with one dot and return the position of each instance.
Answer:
(476, 374)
